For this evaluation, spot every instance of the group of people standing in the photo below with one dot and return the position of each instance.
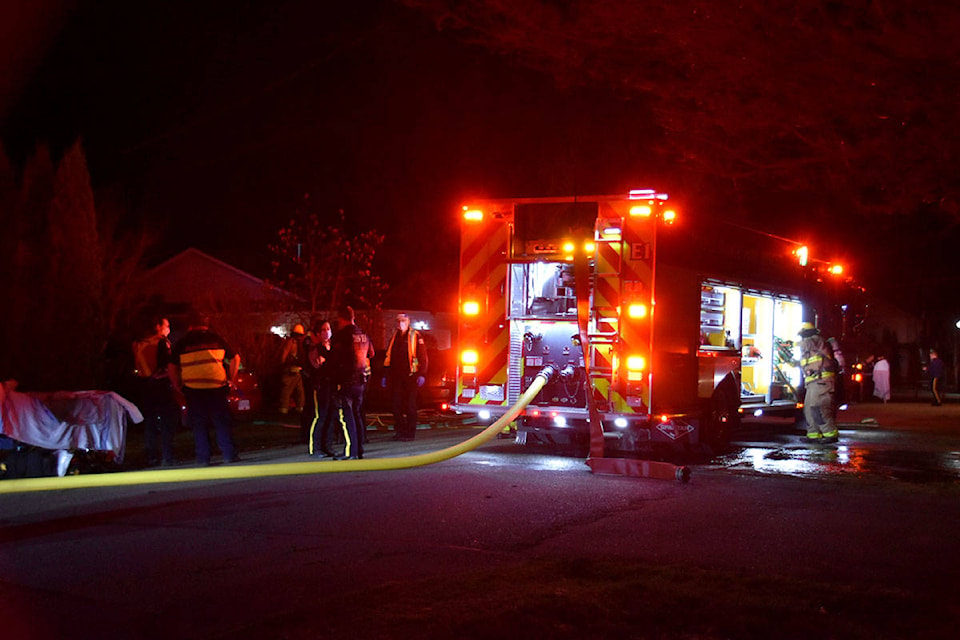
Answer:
(200, 368)
(934, 369)
(335, 367)
(325, 372)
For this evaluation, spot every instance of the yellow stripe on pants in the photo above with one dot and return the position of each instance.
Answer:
(346, 433)
(313, 423)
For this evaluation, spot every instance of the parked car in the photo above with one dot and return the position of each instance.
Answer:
(437, 393)
(245, 399)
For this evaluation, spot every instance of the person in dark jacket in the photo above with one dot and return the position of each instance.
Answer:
(203, 368)
(936, 370)
(406, 367)
(350, 354)
(160, 410)
(319, 387)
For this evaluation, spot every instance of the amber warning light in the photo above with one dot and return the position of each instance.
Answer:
(472, 215)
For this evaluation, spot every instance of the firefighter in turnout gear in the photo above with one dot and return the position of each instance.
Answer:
(819, 369)
(291, 380)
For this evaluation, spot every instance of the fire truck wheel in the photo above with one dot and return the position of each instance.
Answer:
(722, 420)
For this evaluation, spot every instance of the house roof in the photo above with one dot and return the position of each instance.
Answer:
(193, 276)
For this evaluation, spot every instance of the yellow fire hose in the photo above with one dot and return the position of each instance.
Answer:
(162, 476)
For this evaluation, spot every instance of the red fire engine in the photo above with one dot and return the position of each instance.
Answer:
(663, 352)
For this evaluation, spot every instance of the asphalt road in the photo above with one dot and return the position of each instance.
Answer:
(371, 554)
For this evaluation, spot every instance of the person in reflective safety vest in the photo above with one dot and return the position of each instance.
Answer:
(203, 368)
(406, 367)
(819, 369)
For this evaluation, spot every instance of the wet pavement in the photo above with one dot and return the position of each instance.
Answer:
(911, 442)
(908, 441)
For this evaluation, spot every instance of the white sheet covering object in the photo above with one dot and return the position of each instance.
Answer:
(67, 420)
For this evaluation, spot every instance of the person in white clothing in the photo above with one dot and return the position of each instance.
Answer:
(881, 379)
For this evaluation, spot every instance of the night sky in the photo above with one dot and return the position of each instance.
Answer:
(215, 118)
(218, 117)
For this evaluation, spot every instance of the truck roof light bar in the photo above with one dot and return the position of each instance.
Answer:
(646, 194)
(472, 215)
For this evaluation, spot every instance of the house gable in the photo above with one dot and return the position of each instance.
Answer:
(195, 278)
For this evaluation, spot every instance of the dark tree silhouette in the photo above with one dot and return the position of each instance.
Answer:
(851, 104)
(67, 271)
(315, 257)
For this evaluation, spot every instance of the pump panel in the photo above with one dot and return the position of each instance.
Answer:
(556, 344)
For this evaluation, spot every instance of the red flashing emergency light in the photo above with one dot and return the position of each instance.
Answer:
(637, 310)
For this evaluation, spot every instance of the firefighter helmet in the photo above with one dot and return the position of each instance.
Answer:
(297, 329)
(808, 328)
